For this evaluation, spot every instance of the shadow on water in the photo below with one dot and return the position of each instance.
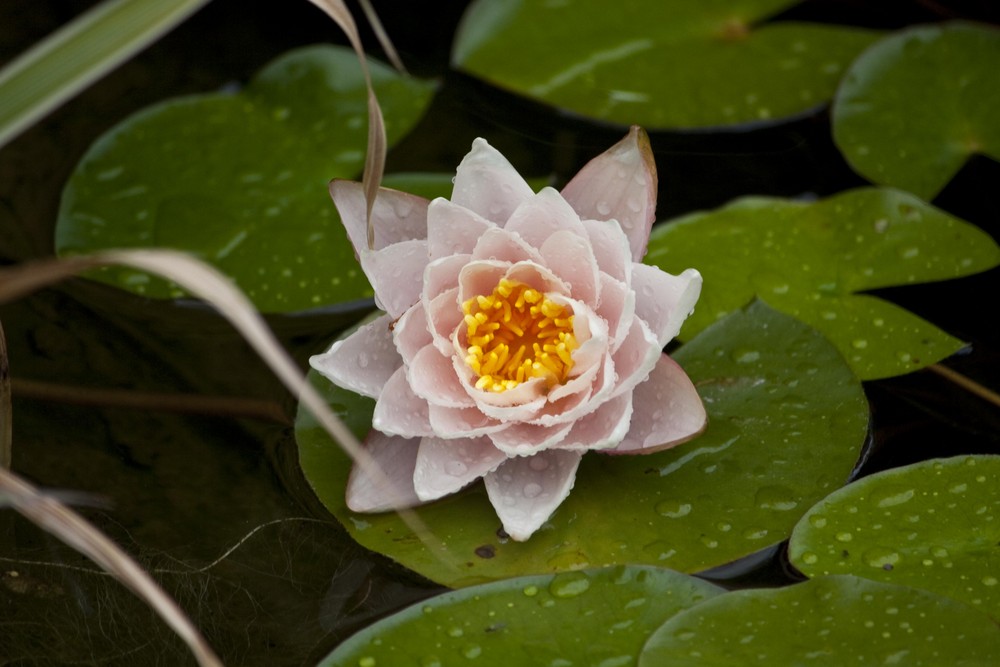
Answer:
(217, 508)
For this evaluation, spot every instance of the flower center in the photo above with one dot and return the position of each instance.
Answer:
(515, 334)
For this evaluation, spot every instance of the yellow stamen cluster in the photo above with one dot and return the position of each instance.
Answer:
(516, 334)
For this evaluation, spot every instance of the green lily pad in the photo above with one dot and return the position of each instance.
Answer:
(834, 621)
(933, 525)
(786, 423)
(658, 63)
(241, 180)
(811, 260)
(523, 621)
(917, 104)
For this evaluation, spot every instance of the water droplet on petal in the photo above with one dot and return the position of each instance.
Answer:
(455, 468)
(538, 463)
(603, 207)
(531, 490)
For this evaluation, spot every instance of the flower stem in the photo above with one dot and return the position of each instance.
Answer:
(966, 383)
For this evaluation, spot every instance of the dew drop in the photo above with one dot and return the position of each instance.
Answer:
(366, 661)
(709, 542)
(881, 557)
(755, 533)
(891, 497)
(472, 651)
(604, 208)
(817, 521)
(859, 343)
(431, 661)
(569, 585)
(531, 490)
(673, 509)
(743, 355)
(455, 632)
(530, 591)
(809, 558)
(455, 468)
(844, 536)
(538, 463)
(989, 580)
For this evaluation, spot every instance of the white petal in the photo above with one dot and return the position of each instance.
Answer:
(663, 300)
(505, 246)
(432, 377)
(452, 423)
(570, 257)
(616, 306)
(396, 458)
(619, 184)
(487, 184)
(445, 466)
(444, 316)
(526, 490)
(543, 215)
(442, 274)
(364, 361)
(410, 333)
(611, 248)
(529, 439)
(667, 411)
(396, 272)
(399, 411)
(453, 229)
(397, 216)
(605, 427)
(480, 278)
(636, 357)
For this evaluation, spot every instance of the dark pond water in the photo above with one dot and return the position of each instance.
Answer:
(214, 506)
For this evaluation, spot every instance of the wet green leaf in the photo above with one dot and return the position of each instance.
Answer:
(917, 104)
(657, 63)
(786, 422)
(833, 621)
(241, 180)
(526, 621)
(812, 260)
(934, 525)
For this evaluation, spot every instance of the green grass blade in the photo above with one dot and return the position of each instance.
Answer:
(79, 53)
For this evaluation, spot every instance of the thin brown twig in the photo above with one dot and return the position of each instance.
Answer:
(194, 404)
(6, 414)
(966, 383)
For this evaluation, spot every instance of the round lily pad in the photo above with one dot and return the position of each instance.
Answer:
(241, 180)
(833, 621)
(934, 525)
(916, 105)
(813, 260)
(658, 63)
(523, 621)
(787, 420)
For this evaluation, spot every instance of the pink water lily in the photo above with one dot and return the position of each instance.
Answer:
(520, 331)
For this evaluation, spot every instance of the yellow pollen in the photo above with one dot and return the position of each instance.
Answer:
(516, 334)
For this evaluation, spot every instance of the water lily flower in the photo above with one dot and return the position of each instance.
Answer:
(521, 330)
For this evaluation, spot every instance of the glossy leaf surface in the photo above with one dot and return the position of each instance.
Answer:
(812, 260)
(933, 525)
(831, 621)
(917, 104)
(524, 621)
(660, 64)
(241, 180)
(786, 423)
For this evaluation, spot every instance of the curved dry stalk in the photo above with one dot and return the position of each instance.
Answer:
(74, 530)
(209, 284)
(377, 144)
(6, 416)
(966, 383)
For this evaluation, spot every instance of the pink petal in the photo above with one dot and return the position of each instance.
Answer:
(604, 427)
(487, 184)
(529, 439)
(399, 411)
(636, 357)
(570, 257)
(397, 273)
(396, 458)
(616, 306)
(453, 229)
(410, 333)
(512, 412)
(611, 248)
(453, 423)
(619, 184)
(364, 361)
(542, 216)
(667, 411)
(500, 244)
(581, 403)
(442, 274)
(397, 216)
(526, 490)
(479, 278)
(445, 466)
(664, 301)
(432, 377)
(537, 277)
(444, 315)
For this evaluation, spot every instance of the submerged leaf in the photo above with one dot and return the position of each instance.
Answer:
(812, 260)
(241, 180)
(786, 423)
(829, 621)
(660, 64)
(917, 104)
(933, 525)
(523, 621)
